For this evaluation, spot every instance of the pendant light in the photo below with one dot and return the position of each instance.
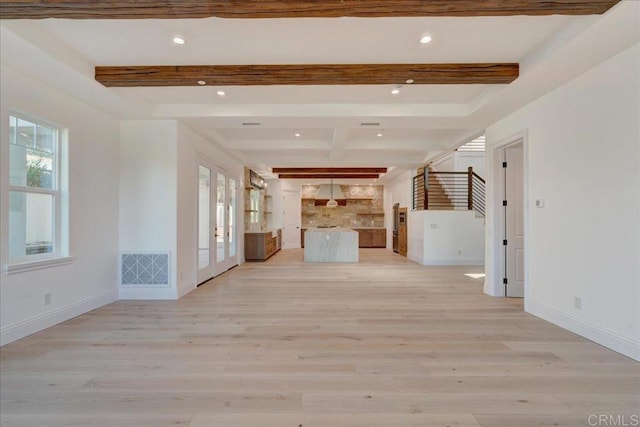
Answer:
(332, 203)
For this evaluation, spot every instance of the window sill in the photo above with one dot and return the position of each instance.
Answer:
(37, 265)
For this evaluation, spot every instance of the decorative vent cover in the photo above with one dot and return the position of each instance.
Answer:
(144, 269)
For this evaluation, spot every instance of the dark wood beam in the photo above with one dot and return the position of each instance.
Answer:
(328, 175)
(310, 74)
(173, 9)
(328, 170)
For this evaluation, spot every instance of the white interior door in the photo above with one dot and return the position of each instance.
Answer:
(514, 220)
(217, 221)
(292, 219)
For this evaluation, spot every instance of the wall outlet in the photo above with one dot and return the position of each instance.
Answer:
(46, 298)
(540, 203)
(459, 252)
(577, 303)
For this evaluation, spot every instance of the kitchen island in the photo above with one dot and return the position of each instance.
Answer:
(334, 244)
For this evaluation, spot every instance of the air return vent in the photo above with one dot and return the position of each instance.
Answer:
(369, 124)
(251, 124)
(147, 269)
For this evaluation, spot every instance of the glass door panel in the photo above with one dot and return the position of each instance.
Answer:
(232, 218)
(221, 219)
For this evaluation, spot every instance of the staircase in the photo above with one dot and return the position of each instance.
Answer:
(439, 190)
(438, 198)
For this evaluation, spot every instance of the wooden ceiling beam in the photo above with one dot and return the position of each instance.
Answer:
(328, 170)
(173, 9)
(309, 74)
(328, 175)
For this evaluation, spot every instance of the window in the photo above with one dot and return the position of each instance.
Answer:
(35, 202)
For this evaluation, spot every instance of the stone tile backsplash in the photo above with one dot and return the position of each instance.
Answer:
(365, 207)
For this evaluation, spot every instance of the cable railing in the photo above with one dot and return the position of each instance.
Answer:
(436, 190)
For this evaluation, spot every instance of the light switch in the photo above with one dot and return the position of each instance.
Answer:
(434, 226)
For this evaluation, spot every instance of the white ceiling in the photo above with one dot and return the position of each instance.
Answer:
(419, 123)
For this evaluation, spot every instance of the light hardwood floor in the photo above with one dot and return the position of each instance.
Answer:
(385, 343)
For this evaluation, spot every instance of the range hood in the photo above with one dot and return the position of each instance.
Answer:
(324, 193)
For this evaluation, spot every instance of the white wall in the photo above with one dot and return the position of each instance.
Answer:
(583, 158)
(453, 238)
(148, 189)
(464, 160)
(90, 280)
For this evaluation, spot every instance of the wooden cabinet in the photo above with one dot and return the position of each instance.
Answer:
(372, 237)
(379, 238)
(261, 245)
(365, 238)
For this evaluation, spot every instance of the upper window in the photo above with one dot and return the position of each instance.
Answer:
(34, 190)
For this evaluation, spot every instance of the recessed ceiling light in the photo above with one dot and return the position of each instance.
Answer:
(409, 81)
(395, 90)
(221, 93)
(179, 40)
(202, 82)
(297, 135)
(379, 135)
(425, 39)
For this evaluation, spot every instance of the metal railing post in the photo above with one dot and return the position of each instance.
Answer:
(470, 188)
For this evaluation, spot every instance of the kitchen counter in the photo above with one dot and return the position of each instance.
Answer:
(330, 245)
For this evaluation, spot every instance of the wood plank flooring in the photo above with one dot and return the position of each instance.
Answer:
(384, 343)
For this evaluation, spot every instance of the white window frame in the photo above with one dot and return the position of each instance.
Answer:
(60, 253)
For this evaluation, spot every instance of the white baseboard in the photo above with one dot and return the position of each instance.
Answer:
(615, 342)
(46, 320)
(454, 261)
(147, 293)
(185, 288)
(414, 257)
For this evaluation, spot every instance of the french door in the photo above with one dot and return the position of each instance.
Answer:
(217, 221)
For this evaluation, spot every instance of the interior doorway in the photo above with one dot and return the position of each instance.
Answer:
(291, 219)
(217, 242)
(513, 219)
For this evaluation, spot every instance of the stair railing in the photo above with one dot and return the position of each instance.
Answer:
(450, 191)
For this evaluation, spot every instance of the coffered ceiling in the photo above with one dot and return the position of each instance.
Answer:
(337, 125)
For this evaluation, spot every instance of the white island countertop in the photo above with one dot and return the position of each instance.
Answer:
(334, 244)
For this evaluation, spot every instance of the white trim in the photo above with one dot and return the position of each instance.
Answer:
(454, 261)
(46, 320)
(609, 339)
(147, 293)
(493, 282)
(36, 265)
(185, 288)
(414, 257)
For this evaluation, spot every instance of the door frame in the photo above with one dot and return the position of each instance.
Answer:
(496, 219)
(202, 161)
(216, 268)
(298, 243)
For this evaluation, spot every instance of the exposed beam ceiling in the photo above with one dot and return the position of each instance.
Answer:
(172, 9)
(328, 170)
(310, 74)
(328, 175)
